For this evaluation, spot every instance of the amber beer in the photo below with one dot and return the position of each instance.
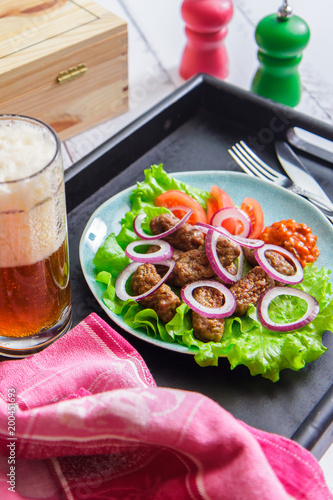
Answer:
(32, 296)
(35, 301)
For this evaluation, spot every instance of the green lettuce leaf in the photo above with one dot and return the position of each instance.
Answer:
(245, 341)
(156, 182)
(110, 257)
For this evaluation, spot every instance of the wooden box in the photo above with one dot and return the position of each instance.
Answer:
(62, 61)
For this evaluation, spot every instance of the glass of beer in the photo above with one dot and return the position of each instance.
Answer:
(35, 297)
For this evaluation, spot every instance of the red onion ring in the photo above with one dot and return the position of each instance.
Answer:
(165, 252)
(234, 213)
(182, 208)
(269, 295)
(120, 285)
(244, 242)
(211, 252)
(144, 236)
(227, 309)
(248, 242)
(263, 262)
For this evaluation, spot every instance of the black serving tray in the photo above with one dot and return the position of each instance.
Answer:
(192, 130)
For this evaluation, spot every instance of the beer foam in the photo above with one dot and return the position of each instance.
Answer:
(25, 149)
(32, 210)
(30, 236)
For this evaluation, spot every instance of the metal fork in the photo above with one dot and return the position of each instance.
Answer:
(251, 164)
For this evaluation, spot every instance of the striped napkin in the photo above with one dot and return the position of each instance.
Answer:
(83, 419)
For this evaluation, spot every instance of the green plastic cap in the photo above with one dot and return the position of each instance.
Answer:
(282, 37)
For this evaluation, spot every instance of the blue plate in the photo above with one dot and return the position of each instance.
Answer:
(277, 204)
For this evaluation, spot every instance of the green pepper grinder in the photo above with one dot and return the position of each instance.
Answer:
(281, 39)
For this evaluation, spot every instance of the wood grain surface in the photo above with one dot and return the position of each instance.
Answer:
(28, 7)
(41, 39)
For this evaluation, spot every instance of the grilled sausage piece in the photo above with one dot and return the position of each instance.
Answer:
(207, 329)
(249, 255)
(227, 250)
(194, 265)
(191, 266)
(160, 268)
(187, 237)
(248, 289)
(163, 301)
(280, 264)
(276, 260)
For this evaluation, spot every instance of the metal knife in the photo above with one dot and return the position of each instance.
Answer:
(298, 173)
(313, 144)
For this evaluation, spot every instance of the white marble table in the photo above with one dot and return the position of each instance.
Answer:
(156, 43)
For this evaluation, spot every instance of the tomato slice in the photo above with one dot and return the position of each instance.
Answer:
(174, 197)
(220, 199)
(254, 211)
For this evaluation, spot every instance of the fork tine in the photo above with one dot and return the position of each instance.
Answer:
(257, 165)
(241, 163)
(248, 165)
(254, 166)
(267, 168)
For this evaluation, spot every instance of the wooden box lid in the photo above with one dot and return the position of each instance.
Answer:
(41, 40)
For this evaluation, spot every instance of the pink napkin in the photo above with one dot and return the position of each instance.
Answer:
(90, 423)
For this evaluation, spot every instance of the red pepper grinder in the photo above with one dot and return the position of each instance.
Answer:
(206, 28)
